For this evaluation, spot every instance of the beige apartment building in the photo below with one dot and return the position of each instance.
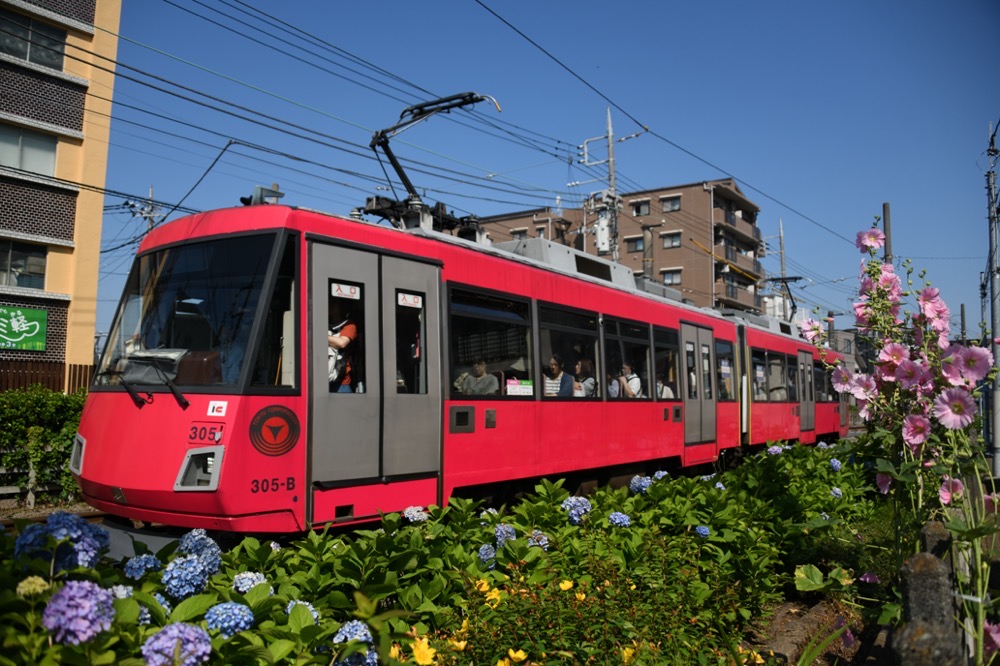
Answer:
(57, 61)
(701, 239)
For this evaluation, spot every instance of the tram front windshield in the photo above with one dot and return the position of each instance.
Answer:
(187, 313)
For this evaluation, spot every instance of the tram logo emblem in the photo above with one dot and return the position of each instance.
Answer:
(274, 430)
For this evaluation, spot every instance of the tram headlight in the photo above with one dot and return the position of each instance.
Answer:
(76, 455)
(200, 469)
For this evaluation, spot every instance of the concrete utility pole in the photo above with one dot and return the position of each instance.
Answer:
(608, 202)
(784, 282)
(887, 256)
(994, 268)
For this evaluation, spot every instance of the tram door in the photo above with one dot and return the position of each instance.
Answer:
(379, 417)
(807, 395)
(698, 359)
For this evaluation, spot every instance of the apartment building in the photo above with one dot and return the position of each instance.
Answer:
(57, 61)
(701, 239)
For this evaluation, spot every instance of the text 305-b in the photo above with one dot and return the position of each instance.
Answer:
(272, 485)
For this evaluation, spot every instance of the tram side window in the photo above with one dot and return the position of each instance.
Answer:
(758, 361)
(776, 378)
(725, 363)
(792, 366)
(572, 337)
(490, 345)
(346, 336)
(277, 355)
(626, 359)
(824, 390)
(411, 373)
(666, 345)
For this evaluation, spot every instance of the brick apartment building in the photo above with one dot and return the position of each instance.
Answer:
(701, 239)
(57, 75)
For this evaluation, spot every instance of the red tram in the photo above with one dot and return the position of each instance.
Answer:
(213, 407)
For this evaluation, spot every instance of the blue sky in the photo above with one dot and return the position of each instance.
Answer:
(822, 111)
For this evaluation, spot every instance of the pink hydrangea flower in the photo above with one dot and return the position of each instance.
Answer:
(916, 430)
(884, 482)
(950, 489)
(954, 408)
(872, 239)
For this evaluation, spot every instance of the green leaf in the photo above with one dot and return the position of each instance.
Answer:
(808, 578)
(281, 648)
(193, 607)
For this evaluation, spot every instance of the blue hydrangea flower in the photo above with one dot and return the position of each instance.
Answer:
(823, 445)
(229, 618)
(245, 581)
(487, 556)
(415, 514)
(503, 534)
(275, 546)
(163, 602)
(577, 507)
(295, 602)
(708, 477)
(660, 474)
(78, 543)
(79, 611)
(198, 543)
(124, 592)
(619, 519)
(718, 484)
(178, 644)
(824, 516)
(774, 450)
(487, 515)
(639, 484)
(137, 566)
(702, 531)
(836, 492)
(835, 464)
(539, 539)
(355, 630)
(184, 576)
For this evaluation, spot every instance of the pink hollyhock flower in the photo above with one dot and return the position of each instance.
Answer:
(991, 638)
(866, 287)
(950, 489)
(884, 482)
(863, 387)
(894, 353)
(872, 239)
(976, 363)
(954, 408)
(811, 329)
(908, 374)
(928, 297)
(916, 430)
(952, 364)
(939, 317)
(842, 379)
(991, 502)
(863, 410)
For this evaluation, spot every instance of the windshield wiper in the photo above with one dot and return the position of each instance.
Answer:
(139, 401)
(178, 396)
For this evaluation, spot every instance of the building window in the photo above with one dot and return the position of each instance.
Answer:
(671, 275)
(671, 240)
(671, 204)
(518, 234)
(27, 150)
(640, 208)
(540, 232)
(634, 244)
(31, 40)
(22, 264)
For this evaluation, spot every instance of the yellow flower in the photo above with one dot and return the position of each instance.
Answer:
(503, 662)
(458, 646)
(31, 585)
(580, 596)
(566, 585)
(632, 586)
(516, 657)
(423, 653)
(482, 585)
(627, 654)
(494, 596)
(395, 651)
(465, 626)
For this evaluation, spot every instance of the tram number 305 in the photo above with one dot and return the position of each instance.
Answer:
(272, 485)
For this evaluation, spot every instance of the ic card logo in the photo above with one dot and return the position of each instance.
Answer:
(274, 430)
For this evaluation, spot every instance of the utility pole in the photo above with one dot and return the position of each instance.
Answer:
(784, 282)
(887, 256)
(994, 268)
(148, 211)
(608, 202)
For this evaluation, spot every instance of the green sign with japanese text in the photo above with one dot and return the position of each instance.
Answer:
(22, 328)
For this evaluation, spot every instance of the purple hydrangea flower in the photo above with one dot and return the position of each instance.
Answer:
(245, 581)
(702, 531)
(178, 644)
(836, 492)
(660, 474)
(774, 450)
(295, 602)
(718, 484)
(415, 514)
(137, 566)
(229, 618)
(184, 576)
(77, 542)
(619, 519)
(487, 556)
(639, 484)
(503, 534)
(78, 611)
(198, 543)
(355, 630)
(835, 464)
(539, 539)
(577, 507)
